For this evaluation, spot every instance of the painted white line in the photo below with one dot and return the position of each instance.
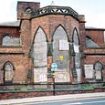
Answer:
(77, 103)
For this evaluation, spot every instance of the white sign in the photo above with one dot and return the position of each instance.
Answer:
(62, 77)
(63, 45)
(76, 48)
(89, 71)
(98, 75)
(40, 74)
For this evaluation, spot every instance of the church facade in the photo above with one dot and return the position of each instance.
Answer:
(50, 43)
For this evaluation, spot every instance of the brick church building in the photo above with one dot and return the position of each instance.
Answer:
(49, 43)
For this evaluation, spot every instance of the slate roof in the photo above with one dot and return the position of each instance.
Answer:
(94, 28)
(11, 24)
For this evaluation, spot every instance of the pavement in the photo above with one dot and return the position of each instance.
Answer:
(51, 98)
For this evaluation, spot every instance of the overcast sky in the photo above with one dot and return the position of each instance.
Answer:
(94, 10)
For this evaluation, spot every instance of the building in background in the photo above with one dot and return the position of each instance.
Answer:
(50, 42)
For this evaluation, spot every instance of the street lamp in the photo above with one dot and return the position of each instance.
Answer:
(54, 67)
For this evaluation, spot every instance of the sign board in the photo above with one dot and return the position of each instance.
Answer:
(98, 75)
(40, 74)
(61, 57)
(62, 77)
(76, 48)
(63, 45)
(89, 71)
(54, 67)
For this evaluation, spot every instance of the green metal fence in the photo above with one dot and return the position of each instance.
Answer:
(55, 87)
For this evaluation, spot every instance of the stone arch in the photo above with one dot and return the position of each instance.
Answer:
(60, 26)
(43, 31)
(75, 40)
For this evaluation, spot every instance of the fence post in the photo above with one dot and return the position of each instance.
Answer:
(54, 86)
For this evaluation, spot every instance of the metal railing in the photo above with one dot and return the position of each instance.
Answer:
(51, 87)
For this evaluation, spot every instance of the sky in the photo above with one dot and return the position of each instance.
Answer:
(94, 10)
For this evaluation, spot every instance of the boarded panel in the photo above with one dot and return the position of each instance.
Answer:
(40, 75)
(39, 55)
(63, 45)
(98, 75)
(11, 41)
(89, 71)
(62, 77)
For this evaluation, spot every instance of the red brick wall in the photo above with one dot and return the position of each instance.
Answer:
(12, 31)
(50, 22)
(20, 56)
(25, 34)
(97, 36)
(22, 6)
(92, 59)
(21, 64)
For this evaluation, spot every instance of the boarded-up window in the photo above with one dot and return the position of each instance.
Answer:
(93, 72)
(61, 53)
(89, 71)
(77, 70)
(10, 41)
(39, 55)
(98, 70)
(8, 72)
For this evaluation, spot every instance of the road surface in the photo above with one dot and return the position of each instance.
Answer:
(93, 101)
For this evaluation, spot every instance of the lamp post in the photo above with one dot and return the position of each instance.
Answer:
(53, 84)
(54, 67)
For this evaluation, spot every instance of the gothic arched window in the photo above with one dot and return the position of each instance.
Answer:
(40, 49)
(98, 70)
(77, 70)
(61, 54)
(8, 72)
(39, 56)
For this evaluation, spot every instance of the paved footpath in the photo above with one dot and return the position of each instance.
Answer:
(48, 98)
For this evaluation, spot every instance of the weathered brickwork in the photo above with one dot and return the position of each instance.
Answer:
(21, 64)
(97, 36)
(12, 31)
(85, 48)
(53, 21)
(21, 56)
